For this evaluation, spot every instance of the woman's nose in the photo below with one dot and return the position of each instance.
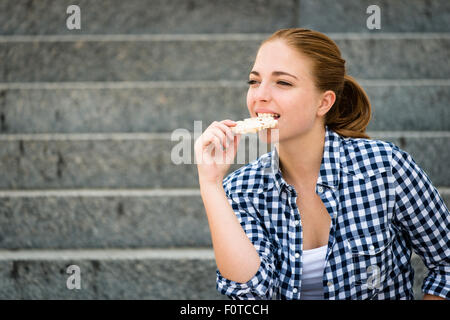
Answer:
(262, 92)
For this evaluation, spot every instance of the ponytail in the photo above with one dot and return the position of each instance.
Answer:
(351, 112)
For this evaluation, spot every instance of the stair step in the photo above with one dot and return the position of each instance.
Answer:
(198, 16)
(103, 218)
(133, 160)
(164, 58)
(156, 16)
(101, 107)
(65, 219)
(111, 274)
(396, 16)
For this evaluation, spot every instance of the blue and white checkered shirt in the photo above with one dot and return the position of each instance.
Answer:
(382, 206)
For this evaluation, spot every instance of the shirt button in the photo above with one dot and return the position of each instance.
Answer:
(329, 284)
(294, 290)
(371, 248)
(320, 189)
(296, 222)
(297, 255)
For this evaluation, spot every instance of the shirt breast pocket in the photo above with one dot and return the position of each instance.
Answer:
(371, 258)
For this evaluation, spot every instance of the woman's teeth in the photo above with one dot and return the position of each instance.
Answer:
(272, 115)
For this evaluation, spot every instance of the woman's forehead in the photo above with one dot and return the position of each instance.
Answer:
(278, 56)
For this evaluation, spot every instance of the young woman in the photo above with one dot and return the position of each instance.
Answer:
(328, 214)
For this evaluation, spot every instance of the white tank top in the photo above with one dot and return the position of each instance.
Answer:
(312, 274)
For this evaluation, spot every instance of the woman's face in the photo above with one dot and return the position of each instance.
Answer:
(281, 82)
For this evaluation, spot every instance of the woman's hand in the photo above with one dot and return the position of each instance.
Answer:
(215, 150)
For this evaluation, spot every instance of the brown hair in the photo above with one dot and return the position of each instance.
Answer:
(351, 111)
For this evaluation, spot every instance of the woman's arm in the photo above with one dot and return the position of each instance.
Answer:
(236, 257)
(241, 246)
(423, 215)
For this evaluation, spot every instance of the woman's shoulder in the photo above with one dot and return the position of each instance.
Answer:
(368, 156)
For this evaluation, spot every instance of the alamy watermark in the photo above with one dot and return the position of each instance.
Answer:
(249, 148)
(74, 20)
(374, 280)
(374, 20)
(74, 280)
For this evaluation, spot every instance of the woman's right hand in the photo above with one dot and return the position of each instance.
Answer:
(215, 151)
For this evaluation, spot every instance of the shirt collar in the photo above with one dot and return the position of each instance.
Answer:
(329, 173)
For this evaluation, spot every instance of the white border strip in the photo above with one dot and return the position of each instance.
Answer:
(86, 85)
(167, 136)
(97, 193)
(85, 136)
(403, 82)
(389, 36)
(408, 134)
(214, 37)
(444, 190)
(135, 37)
(107, 254)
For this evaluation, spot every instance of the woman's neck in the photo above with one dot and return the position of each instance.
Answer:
(300, 158)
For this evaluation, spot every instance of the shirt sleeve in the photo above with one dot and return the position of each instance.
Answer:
(261, 285)
(423, 214)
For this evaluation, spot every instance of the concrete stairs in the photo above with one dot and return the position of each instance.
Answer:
(86, 117)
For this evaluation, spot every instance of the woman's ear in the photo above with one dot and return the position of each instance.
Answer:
(327, 101)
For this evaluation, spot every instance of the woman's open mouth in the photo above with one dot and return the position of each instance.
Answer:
(276, 116)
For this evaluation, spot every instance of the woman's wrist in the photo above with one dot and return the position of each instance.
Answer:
(210, 184)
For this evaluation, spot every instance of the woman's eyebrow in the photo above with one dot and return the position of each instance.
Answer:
(275, 73)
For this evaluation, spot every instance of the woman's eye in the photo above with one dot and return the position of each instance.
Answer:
(283, 83)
